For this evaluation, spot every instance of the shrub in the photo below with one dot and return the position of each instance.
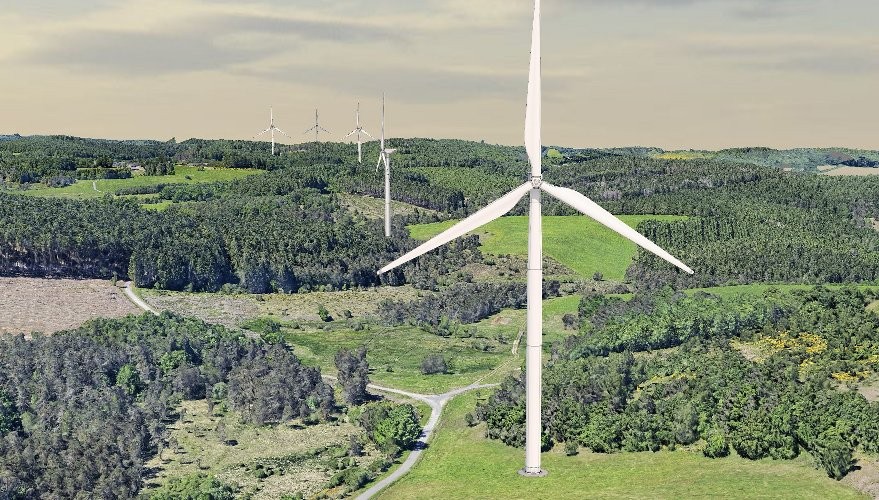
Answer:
(194, 487)
(715, 444)
(434, 364)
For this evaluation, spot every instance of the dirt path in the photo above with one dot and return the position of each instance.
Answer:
(436, 403)
(137, 300)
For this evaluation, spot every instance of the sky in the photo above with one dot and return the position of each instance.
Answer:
(703, 74)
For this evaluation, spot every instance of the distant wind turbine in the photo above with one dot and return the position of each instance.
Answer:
(506, 203)
(359, 130)
(384, 156)
(271, 130)
(316, 128)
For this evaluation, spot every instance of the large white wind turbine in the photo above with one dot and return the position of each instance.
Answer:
(271, 130)
(384, 156)
(535, 186)
(360, 131)
(316, 128)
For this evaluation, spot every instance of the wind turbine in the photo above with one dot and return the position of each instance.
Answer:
(317, 128)
(271, 129)
(359, 130)
(385, 156)
(535, 186)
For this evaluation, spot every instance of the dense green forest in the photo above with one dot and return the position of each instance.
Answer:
(287, 230)
(762, 377)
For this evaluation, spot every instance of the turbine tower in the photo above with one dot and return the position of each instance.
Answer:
(271, 129)
(316, 128)
(384, 156)
(359, 130)
(535, 186)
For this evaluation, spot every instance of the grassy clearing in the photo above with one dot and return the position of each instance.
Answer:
(510, 322)
(401, 350)
(576, 242)
(854, 171)
(184, 174)
(199, 444)
(374, 208)
(232, 310)
(461, 463)
(684, 155)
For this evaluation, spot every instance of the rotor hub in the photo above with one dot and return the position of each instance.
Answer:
(536, 181)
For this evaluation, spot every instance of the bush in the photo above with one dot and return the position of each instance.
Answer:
(715, 444)
(194, 487)
(324, 314)
(391, 427)
(434, 364)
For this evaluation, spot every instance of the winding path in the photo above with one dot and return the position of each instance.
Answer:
(435, 401)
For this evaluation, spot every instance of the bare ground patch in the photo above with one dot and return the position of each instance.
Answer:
(51, 305)
(853, 171)
(232, 310)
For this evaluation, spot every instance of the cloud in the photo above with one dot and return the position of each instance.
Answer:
(411, 84)
(215, 42)
(816, 54)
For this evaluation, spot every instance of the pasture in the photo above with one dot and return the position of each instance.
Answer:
(577, 242)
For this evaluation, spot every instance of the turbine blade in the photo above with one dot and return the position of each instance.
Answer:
(281, 131)
(351, 133)
(325, 130)
(593, 210)
(491, 212)
(367, 134)
(381, 157)
(533, 107)
(263, 132)
(307, 131)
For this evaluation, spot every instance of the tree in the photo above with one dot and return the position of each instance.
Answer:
(400, 429)
(434, 364)
(128, 379)
(353, 373)
(194, 487)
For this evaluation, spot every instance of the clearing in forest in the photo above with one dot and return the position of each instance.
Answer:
(576, 242)
(183, 174)
(50, 305)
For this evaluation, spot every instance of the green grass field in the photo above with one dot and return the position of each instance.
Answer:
(402, 350)
(83, 189)
(577, 242)
(461, 463)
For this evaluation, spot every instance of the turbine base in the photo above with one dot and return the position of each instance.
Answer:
(524, 472)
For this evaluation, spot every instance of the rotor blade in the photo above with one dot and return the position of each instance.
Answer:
(367, 134)
(494, 210)
(533, 107)
(351, 133)
(381, 157)
(325, 130)
(281, 131)
(593, 210)
(263, 132)
(309, 130)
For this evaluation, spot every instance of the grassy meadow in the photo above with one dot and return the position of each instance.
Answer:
(577, 242)
(462, 463)
(184, 174)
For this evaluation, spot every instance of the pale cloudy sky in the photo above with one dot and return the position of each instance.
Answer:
(669, 73)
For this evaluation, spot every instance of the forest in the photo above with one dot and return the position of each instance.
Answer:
(82, 411)
(286, 230)
(770, 376)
